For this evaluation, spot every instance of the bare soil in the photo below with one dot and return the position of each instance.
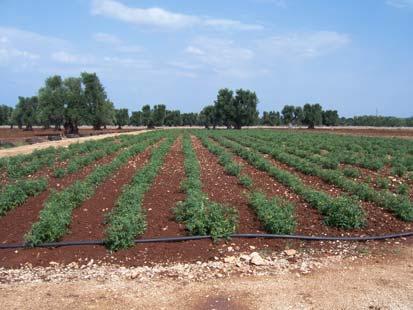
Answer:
(382, 281)
(16, 223)
(88, 221)
(159, 202)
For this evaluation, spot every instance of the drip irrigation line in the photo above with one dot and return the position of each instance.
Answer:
(192, 238)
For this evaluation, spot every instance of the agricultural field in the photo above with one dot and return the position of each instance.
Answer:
(193, 182)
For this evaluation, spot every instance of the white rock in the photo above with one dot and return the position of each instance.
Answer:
(256, 259)
(290, 252)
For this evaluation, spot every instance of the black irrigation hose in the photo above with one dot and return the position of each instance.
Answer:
(188, 238)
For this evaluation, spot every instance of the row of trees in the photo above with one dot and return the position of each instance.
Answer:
(68, 102)
(76, 101)
(377, 121)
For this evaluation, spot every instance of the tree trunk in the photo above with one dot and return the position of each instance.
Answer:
(119, 127)
(71, 128)
(28, 128)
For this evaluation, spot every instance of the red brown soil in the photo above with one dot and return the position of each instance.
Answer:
(16, 223)
(309, 220)
(166, 186)
(88, 219)
(379, 221)
(163, 196)
(223, 188)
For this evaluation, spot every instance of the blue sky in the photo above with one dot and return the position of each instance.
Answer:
(353, 56)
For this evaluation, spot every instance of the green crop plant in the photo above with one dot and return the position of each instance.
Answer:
(127, 220)
(276, 214)
(200, 215)
(56, 215)
(15, 194)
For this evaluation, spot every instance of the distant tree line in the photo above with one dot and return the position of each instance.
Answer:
(74, 101)
(376, 121)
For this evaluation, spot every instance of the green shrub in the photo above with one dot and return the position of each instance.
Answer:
(203, 217)
(382, 183)
(276, 215)
(14, 195)
(399, 170)
(403, 189)
(245, 180)
(344, 213)
(351, 172)
(59, 173)
(329, 163)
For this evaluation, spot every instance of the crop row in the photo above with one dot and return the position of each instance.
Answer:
(400, 160)
(56, 214)
(333, 163)
(342, 212)
(20, 166)
(200, 215)
(366, 152)
(128, 219)
(16, 193)
(275, 214)
(400, 205)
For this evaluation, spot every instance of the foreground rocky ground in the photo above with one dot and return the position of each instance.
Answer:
(350, 278)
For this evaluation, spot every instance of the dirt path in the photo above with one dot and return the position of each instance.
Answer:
(27, 149)
(373, 283)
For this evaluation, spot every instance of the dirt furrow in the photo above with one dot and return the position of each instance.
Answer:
(379, 221)
(88, 219)
(164, 194)
(225, 189)
(16, 223)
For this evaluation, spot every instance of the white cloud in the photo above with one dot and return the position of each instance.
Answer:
(303, 45)
(106, 38)
(116, 43)
(22, 49)
(400, 3)
(194, 50)
(70, 58)
(151, 16)
(231, 24)
(220, 56)
(158, 17)
(257, 57)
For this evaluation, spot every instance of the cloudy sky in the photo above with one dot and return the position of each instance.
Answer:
(353, 56)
